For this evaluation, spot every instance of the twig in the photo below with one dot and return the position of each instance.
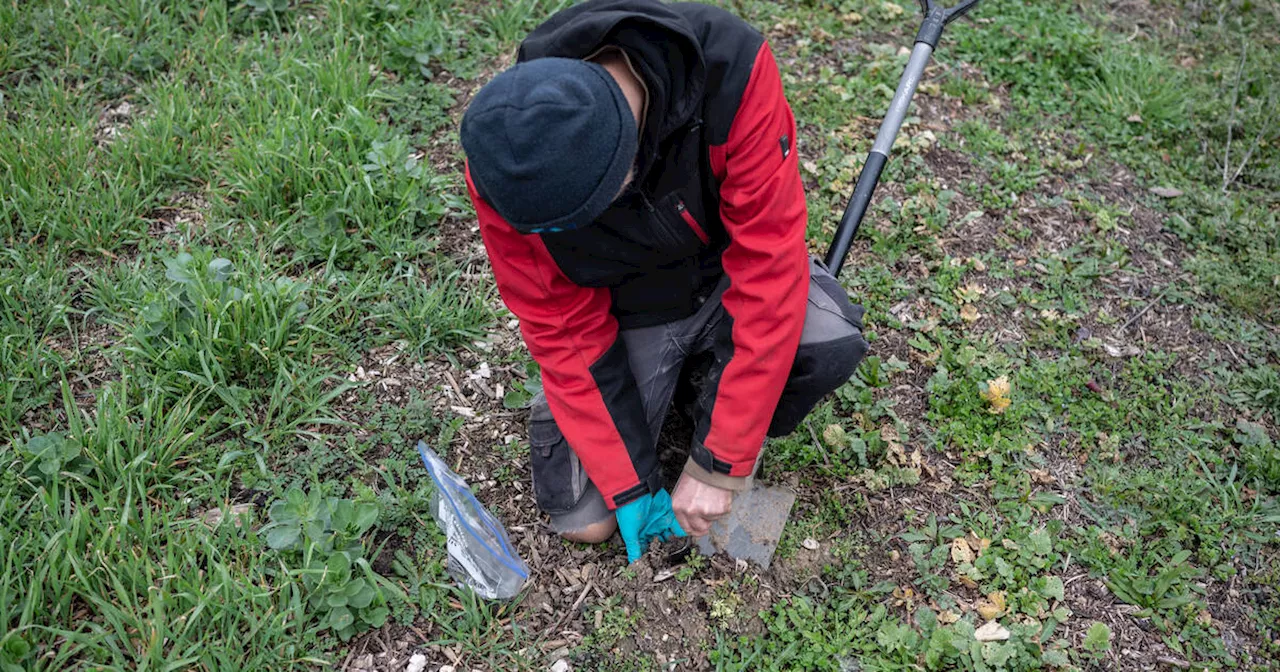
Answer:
(1142, 312)
(1168, 660)
(826, 459)
(576, 603)
(1231, 121)
(1256, 141)
(456, 387)
(1234, 355)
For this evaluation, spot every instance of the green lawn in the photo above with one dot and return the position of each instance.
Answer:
(240, 279)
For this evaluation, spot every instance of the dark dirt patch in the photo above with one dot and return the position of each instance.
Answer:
(180, 221)
(85, 353)
(114, 120)
(1139, 16)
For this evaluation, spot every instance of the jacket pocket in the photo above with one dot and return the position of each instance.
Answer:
(675, 229)
(558, 477)
(693, 223)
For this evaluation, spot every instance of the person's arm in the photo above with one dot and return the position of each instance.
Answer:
(763, 209)
(573, 336)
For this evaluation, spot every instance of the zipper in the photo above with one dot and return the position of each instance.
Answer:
(693, 223)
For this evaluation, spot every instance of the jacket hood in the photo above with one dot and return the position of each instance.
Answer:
(659, 41)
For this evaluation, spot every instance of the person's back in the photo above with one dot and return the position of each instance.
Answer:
(638, 192)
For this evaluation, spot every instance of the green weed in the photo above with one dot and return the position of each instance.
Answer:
(323, 536)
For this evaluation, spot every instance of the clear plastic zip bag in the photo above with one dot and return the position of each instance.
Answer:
(480, 554)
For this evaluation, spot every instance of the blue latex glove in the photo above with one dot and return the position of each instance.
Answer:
(646, 519)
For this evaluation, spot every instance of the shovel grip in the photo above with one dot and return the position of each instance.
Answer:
(950, 13)
(937, 17)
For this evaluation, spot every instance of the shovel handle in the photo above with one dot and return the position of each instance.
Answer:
(935, 19)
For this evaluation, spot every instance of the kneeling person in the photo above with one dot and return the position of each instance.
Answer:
(638, 192)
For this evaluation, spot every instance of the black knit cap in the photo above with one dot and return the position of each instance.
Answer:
(549, 143)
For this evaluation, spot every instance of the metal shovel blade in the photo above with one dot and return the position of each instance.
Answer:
(753, 527)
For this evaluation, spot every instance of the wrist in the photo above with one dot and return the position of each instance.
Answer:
(735, 483)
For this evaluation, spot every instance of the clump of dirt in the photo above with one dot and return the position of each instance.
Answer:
(180, 220)
(113, 121)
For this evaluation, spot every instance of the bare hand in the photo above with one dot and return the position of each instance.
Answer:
(697, 505)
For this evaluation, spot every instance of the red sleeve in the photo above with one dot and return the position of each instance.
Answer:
(573, 336)
(763, 209)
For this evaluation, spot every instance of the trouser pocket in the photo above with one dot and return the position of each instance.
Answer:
(558, 477)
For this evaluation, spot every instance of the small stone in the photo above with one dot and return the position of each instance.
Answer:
(561, 665)
(810, 543)
(991, 632)
(1118, 350)
(417, 663)
(447, 668)
(214, 517)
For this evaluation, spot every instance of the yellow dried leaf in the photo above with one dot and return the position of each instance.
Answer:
(948, 617)
(987, 610)
(969, 293)
(991, 607)
(960, 551)
(969, 313)
(978, 544)
(834, 436)
(997, 394)
(895, 454)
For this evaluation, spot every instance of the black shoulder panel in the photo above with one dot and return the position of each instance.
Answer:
(729, 47)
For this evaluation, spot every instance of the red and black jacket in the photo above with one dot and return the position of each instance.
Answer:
(717, 192)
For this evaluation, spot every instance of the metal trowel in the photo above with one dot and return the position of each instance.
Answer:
(753, 527)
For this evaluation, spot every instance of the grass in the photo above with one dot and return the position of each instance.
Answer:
(215, 216)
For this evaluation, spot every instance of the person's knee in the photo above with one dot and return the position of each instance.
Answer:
(593, 533)
(828, 365)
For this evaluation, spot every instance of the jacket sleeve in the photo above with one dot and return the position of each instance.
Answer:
(763, 209)
(573, 336)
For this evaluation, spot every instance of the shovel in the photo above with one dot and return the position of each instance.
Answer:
(754, 525)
